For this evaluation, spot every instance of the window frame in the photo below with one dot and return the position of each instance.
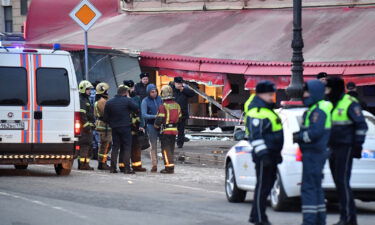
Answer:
(36, 85)
(26, 85)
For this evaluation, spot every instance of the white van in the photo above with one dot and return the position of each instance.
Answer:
(39, 108)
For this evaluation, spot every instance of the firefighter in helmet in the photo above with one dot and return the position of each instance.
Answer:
(102, 127)
(168, 116)
(87, 122)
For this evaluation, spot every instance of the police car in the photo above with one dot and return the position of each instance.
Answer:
(39, 108)
(241, 178)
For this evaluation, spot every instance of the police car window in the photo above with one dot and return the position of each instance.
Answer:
(13, 86)
(52, 87)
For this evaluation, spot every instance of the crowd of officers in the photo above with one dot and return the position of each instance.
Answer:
(122, 122)
(333, 128)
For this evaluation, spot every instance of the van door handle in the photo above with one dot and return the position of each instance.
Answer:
(38, 115)
(65, 139)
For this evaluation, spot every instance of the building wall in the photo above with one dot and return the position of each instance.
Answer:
(17, 17)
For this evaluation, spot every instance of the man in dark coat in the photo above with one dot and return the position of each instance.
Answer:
(182, 94)
(140, 88)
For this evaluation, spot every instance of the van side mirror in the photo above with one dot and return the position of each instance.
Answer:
(239, 135)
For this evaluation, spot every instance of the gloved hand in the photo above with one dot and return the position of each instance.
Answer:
(295, 137)
(357, 151)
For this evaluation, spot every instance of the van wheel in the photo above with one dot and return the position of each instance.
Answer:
(234, 194)
(21, 167)
(279, 200)
(64, 168)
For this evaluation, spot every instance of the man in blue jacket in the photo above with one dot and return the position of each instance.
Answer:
(267, 139)
(313, 141)
(117, 115)
(348, 135)
(149, 108)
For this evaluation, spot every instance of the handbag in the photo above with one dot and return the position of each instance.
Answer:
(143, 140)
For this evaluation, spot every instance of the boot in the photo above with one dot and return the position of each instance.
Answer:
(103, 166)
(139, 169)
(85, 166)
(122, 169)
(168, 170)
(128, 171)
(154, 169)
(113, 170)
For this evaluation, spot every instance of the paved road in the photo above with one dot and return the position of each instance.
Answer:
(194, 195)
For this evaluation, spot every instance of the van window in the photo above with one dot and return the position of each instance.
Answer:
(52, 87)
(13, 86)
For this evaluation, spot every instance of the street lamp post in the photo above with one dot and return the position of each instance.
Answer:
(295, 89)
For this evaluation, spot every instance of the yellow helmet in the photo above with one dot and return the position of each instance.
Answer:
(83, 85)
(101, 88)
(166, 92)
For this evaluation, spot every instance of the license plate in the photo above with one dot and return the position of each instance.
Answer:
(12, 126)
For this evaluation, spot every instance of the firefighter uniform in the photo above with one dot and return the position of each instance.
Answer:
(168, 116)
(348, 135)
(87, 122)
(313, 140)
(266, 138)
(102, 127)
(136, 123)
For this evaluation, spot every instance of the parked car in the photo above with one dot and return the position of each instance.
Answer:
(241, 177)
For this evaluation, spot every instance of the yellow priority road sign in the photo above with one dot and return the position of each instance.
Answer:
(85, 14)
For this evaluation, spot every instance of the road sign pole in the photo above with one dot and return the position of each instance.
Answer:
(86, 57)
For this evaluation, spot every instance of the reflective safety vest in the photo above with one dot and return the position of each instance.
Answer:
(265, 113)
(326, 107)
(171, 123)
(99, 123)
(246, 110)
(340, 112)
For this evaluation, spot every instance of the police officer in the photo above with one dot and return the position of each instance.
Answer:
(313, 140)
(102, 127)
(136, 127)
(348, 134)
(141, 87)
(87, 122)
(167, 119)
(266, 138)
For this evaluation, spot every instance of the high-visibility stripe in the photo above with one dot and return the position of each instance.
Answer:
(137, 163)
(121, 165)
(24, 64)
(38, 124)
(166, 158)
(82, 111)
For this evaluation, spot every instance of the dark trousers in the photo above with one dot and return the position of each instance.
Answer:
(266, 176)
(312, 194)
(85, 142)
(136, 152)
(122, 140)
(341, 162)
(167, 147)
(181, 131)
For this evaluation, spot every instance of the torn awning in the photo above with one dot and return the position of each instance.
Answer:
(210, 79)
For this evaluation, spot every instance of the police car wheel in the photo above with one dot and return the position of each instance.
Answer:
(279, 200)
(64, 169)
(21, 167)
(233, 193)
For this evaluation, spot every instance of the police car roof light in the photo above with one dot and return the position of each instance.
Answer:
(56, 46)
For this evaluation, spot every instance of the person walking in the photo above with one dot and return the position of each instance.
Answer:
(181, 94)
(87, 122)
(267, 139)
(149, 109)
(102, 127)
(167, 119)
(313, 141)
(137, 126)
(117, 114)
(348, 135)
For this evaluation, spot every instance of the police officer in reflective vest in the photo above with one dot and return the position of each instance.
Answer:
(102, 127)
(137, 124)
(348, 134)
(266, 138)
(87, 122)
(246, 110)
(168, 116)
(313, 141)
